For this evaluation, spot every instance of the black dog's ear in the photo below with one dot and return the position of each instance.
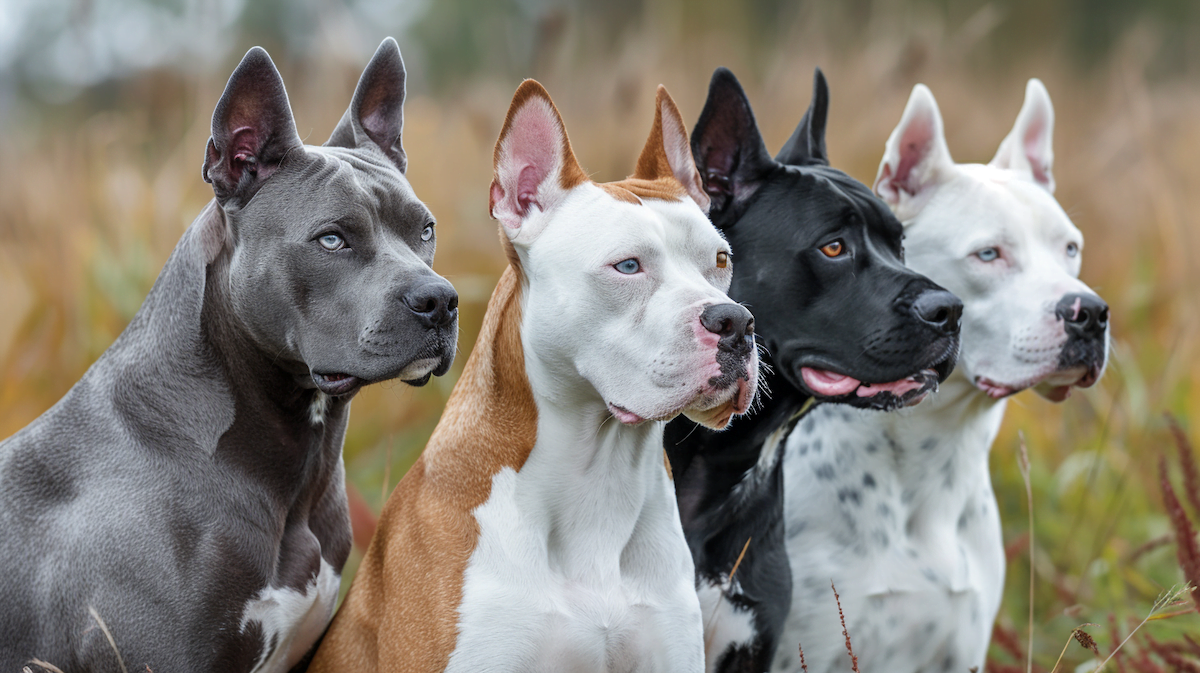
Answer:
(252, 130)
(376, 113)
(807, 144)
(728, 148)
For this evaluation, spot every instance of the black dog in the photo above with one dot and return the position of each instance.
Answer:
(818, 259)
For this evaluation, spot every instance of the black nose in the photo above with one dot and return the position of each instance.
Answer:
(1084, 315)
(940, 310)
(434, 302)
(733, 323)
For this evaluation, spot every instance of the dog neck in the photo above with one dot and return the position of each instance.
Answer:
(723, 459)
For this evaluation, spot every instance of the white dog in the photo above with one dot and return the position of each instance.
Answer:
(898, 509)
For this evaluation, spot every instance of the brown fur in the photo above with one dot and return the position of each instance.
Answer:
(401, 613)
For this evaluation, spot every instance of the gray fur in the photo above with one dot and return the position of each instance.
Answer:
(187, 470)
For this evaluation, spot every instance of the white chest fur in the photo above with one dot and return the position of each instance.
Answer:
(292, 620)
(581, 564)
(898, 511)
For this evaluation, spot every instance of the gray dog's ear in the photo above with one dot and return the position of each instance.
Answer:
(728, 148)
(376, 113)
(806, 147)
(252, 130)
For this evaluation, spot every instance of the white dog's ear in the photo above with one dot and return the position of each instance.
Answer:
(916, 157)
(667, 153)
(533, 164)
(1029, 147)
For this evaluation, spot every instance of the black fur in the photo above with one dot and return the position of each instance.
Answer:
(855, 314)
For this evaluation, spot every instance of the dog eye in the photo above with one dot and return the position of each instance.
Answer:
(628, 267)
(834, 249)
(332, 242)
(988, 254)
(1072, 249)
(722, 259)
(427, 232)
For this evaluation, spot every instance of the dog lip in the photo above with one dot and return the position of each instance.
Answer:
(624, 415)
(904, 392)
(336, 383)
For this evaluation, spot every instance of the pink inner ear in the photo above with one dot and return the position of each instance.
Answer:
(1035, 141)
(914, 145)
(527, 187)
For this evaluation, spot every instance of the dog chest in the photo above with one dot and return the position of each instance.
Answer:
(528, 606)
(291, 620)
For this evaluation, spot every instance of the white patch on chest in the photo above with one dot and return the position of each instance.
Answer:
(291, 619)
(548, 591)
(317, 408)
(725, 625)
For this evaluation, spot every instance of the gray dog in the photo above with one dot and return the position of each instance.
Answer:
(185, 500)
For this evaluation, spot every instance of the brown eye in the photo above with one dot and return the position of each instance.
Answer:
(722, 260)
(834, 249)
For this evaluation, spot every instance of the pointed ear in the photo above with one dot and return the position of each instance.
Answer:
(252, 130)
(916, 157)
(1029, 147)
(728, 148)
(667, 153)
(533, 164)
(376, 113)
(807, 144)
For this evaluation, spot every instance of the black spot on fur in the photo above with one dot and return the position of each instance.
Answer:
(868, 480)
(825, 471)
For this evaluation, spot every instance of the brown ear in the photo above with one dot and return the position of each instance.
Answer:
(667, 153)
(533, 164)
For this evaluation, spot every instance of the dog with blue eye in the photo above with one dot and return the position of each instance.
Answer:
(183, 507)
(898, 510)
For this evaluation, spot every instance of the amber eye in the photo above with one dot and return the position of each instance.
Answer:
(834, 249)
(722, 260)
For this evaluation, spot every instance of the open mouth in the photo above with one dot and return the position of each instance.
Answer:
(336, 383)
(885, 396)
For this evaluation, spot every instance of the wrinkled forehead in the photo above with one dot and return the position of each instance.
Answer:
(335, 182)
(995, 200)
(593, 223)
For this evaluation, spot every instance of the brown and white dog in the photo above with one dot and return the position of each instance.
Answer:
(539, 531)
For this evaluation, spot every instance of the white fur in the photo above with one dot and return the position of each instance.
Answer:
(725, 624)
(898, 509)
(317, 408)
(581, 564)
(292, 618)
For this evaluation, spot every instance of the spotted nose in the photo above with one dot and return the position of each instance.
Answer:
(940, 310)
(434, 302)
(733, 324)
(1084, 315)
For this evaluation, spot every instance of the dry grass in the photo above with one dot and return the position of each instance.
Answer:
(92, 200)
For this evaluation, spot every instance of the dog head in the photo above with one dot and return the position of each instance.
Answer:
(996, 237)
(841, 316)
(623, 283)
(328, 248)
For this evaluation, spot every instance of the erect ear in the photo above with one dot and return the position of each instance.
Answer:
(376, 113)
(807, 144)
(916, 157)
(667, 153)
(1029, 147)
(252, 130)
(728, 148)
(533, 165)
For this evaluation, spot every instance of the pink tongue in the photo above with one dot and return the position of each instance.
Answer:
(897, 388)
(827, 383)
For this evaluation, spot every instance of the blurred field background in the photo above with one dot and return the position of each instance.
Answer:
(105, 109)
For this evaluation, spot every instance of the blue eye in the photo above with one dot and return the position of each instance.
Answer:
(1072, 249)
(988, 254)
(628, 267)
(427, 233)
(332, 242)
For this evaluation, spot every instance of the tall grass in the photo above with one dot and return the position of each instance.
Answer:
(92, 202)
